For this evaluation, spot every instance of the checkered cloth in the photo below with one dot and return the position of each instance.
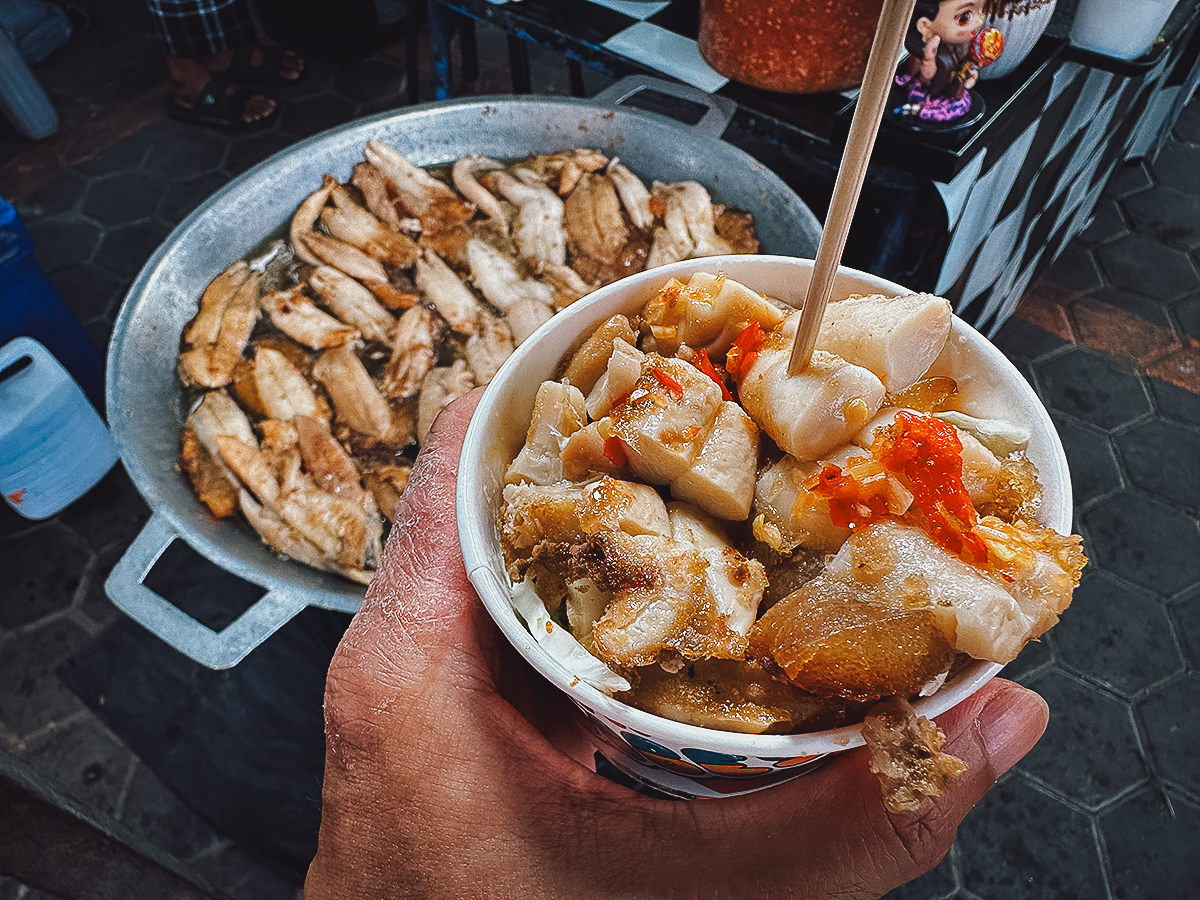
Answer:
(194, 29)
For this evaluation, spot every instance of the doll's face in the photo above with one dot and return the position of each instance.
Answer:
(956, 21)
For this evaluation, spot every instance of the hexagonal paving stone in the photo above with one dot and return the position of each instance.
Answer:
(1175, 402)
(1107, 223)
(40, 571)
(124, 156)
(1034, 658)
(121, 198)
(1018, 842)
(940, 881)
(1093, 387)
(1024, 342)
(57, 195)
(250, 150)
(245, 877)
(181, 197)
(1151, 843)
(1176, 166)
(1186, 614)
(1090, 457)
(89, 290)
(109, 515)
(1137, 263)
(1128, 178)
(1143, 541)
(1166, 215)
(1116, 636)
(153, 810)
(1187, 315)
(1076, 269)
(32, 696)
(87, 761)
(1152, 309)
(1187, 126)
(370, 81)
(1168, 714)
(1161, 457)
(316, 114)
(126, 248)
(186, 155)
(1090, 748)
(61, 242)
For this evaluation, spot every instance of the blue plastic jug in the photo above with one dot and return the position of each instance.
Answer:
(31, 306)
(54, 447)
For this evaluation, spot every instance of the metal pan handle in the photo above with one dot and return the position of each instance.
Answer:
(215, 649)
(718, 110)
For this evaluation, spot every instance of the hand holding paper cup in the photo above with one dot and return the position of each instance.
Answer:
(692, 702)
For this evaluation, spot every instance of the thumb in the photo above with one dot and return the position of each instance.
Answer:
(420, 595)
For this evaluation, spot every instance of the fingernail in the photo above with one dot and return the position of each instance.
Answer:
(1010, 725)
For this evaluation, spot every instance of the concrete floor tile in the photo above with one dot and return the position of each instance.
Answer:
(1187, 315)
(32, 697)
(1168, 715)
(1146, 857)
(1090, 750)
(90, 291)
(1143, 541)
(41, 572)
(252, 149)
(1108, 222)
(1035, 658)
(60, 242)
(154, 811)
(315, 114)
(247, 877)
(1093, 465)
(1092, 387)
(1177, 166)
(180, 197)
(1114, 301)
(121, 197)
(186, 155)
(1135, 262)
(1020, 843)
(940, 882)
(126, 248)
(1166, 215)
(110, 514)
(1187, 127)
(1128, 178)
(1116, 636)
(1185, 612)
(1075, 269)
(58, 196)
(87, 761)
(1163, 458)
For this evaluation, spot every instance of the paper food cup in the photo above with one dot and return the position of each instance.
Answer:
(686, 760)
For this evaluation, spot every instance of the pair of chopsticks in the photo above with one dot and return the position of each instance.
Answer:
(872, 98)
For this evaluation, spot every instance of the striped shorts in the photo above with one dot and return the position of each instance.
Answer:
(193, 29)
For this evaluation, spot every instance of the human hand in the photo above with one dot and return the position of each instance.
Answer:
(972, 77)
(453, 769)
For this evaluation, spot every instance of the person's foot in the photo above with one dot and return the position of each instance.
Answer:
(202, 96)
(257, 64)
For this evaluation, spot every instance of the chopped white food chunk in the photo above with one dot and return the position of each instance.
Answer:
(721, 480)
(897, 338)
(557, 414)
(814, 412)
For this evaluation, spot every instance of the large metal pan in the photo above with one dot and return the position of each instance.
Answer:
(145, 402)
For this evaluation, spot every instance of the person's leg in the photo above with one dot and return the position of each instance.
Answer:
(200, 39)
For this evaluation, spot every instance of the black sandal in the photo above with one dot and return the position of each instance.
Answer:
(243, 70)
(221, 103)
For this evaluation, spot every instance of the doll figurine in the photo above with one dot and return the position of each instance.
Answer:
(946, 45)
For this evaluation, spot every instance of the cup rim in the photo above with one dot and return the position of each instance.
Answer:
(476, 528)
